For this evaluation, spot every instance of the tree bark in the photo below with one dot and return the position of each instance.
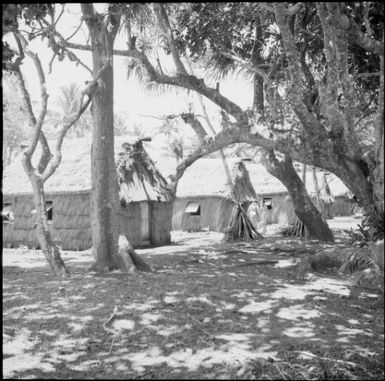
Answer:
(104, 195)
(256, 59)
(48, 247)
(303, 206)
(319, 201)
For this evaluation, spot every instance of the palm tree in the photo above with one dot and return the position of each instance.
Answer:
(66, 101)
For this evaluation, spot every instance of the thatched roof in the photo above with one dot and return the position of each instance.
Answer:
(138, 176)
(143, 180)
(207, 177)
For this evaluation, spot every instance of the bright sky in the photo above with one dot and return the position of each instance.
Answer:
(128, 97)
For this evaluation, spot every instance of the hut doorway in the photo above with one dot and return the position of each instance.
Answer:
(145, 223)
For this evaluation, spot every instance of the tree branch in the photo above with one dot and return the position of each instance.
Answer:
(57, 156)
(311, 125)
(245, 64)
(359, 38)
(350, 100)
(181, 80)
(190, 82)
(165, 25)
(367, 75)
(36, 124)
(219, 141)
(196, 125)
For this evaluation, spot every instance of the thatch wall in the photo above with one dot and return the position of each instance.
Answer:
(216, 211)
(70, 227)
(160, 222)
(283, 214)
(215, 214)
(161, 217)
(71, 221)
(130, 223)
(23, 226)
(282, 211)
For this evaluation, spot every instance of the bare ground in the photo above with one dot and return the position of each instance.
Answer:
(210, 311)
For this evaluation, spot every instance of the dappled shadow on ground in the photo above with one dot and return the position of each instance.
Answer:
(209, 311)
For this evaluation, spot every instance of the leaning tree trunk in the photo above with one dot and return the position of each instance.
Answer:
(303, 206)
(378, 172)
(48, 247)
(365, 180)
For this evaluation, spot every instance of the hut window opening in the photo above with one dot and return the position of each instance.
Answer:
(193, 209)
(49, 210)
(267, 201)
(7, 213)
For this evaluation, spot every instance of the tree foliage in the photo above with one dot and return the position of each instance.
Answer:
(15, 127)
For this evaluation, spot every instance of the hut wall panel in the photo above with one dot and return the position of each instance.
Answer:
(23, 222)
(71, 204)
(177, 214)
(282, 212)
(73, 239)
(161, 221)
(130, 223)
(21, 237)
(23, 206)
(22, 211)
(75, 222)
(226, 207)
(192, 223)
(215, 214)
(7, 234)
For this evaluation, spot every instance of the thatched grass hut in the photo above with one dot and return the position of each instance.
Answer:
(204, 202)
(145, 215)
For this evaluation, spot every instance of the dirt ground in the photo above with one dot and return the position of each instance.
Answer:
(209, 311)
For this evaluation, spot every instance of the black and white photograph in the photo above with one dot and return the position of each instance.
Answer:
(193, 190)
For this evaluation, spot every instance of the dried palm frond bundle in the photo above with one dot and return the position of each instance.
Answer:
(138, 176)
(297, 230)
(240, 227)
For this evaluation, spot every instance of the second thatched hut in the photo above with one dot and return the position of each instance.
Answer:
(203, 200)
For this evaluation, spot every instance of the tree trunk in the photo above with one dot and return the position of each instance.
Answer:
(378, 172)
(365, 180)
(319, 202)
(304, 170)
(104, 195)
(49, 249)
(303, 206)
(104, 183)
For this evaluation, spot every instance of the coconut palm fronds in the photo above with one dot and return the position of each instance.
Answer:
(366, 265)
(365, 259)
